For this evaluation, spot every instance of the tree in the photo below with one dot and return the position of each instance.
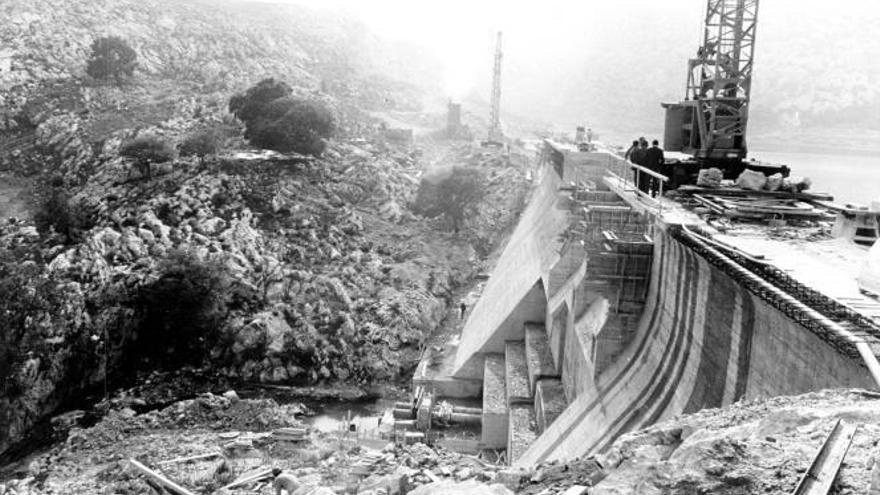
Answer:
(57, 211)
(111, 57)
(292, 124)
(200, 144)
(145, 151)
(456, 196)
(277, 121)
(181, 310)
(250, 105)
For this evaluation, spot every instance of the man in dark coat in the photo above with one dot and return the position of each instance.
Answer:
(639, 157)
(628, 155)
(654, 160)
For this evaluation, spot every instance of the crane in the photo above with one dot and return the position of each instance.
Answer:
(710, 123)
(496, 137)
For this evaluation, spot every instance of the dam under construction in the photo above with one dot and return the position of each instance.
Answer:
(609, 311)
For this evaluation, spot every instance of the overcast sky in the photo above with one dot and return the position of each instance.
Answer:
(459, 32)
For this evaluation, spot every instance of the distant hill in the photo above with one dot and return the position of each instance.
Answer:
(205, 47)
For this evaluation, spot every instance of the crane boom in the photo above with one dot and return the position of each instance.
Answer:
(495, 134)
(710, 123)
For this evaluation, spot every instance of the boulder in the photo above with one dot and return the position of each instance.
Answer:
(267, 329)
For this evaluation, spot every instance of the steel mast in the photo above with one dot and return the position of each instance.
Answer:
(711, 122)
(495, 134)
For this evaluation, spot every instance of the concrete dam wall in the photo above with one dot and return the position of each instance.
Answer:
(612, 323)
(703, 341)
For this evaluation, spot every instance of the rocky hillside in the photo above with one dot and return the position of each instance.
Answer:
(764, 446)
(212, 46)
(253, 266)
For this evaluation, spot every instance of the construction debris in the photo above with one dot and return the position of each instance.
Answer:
(710, 177)
(159, 479)
(259, 475)
(209, 455)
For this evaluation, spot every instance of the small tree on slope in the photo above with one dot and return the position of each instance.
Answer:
(112, 57)
(200, 144)
(145, 151)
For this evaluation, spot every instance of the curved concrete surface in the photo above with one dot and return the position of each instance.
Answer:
(514, 293)
(703, 341)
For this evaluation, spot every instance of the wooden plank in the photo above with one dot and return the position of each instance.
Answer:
(209, 455)
(250, 478)
(708, 203)
(159, 478)
(735, 191)
(817, 480)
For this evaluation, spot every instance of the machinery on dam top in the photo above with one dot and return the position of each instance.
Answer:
(710, 123)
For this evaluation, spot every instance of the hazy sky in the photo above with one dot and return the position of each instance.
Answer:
(459, 32)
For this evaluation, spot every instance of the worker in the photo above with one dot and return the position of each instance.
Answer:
(654, 161)
(628, 155)
(639, 156)
(463, 308)
(284, 482)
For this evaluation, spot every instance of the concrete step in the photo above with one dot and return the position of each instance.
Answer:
(538, 358)
(521, 432)
(495, 411)
(549, 402)
(516, 373)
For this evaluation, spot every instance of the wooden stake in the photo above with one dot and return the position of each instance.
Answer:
(190, 458)
(257, 476)
(159, 478)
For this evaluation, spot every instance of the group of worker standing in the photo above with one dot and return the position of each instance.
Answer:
(649, 157)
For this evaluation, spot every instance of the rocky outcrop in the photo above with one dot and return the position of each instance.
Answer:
(332, 276)
(346, 293)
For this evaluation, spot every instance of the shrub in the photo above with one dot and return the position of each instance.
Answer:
(200, 144)
(274, 120)
(182, 310)
(455, 197)
(250, 105)
(292, 124)
(145, 151)
(56, 211)
(112, 57)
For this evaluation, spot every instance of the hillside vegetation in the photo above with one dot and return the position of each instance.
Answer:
(151, 250)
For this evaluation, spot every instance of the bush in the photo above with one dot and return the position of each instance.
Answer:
(181, 311)
(250, 105)
(293, 125)
(145, 151)
(455, 197)
(200, 144)
(112, 57)
(56, 211)
(274, 120)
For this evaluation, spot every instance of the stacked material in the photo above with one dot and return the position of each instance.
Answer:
(761, 208)
(710, 177)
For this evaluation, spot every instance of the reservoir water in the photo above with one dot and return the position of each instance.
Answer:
(850, 178)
